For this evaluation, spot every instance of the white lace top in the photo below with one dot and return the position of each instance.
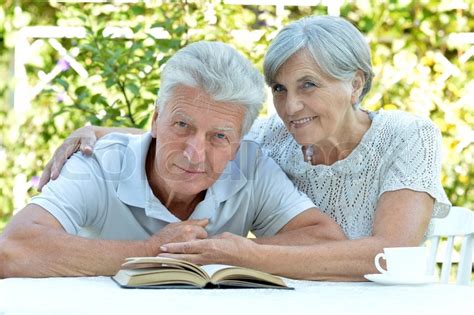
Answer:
(399, 150)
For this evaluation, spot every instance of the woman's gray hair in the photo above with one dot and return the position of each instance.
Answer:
(220, 71)
(337, 47)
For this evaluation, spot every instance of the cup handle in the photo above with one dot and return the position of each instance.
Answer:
(377, 262)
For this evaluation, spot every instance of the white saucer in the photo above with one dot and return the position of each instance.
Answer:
(393, 280)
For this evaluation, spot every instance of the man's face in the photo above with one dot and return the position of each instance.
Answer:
(195, 139)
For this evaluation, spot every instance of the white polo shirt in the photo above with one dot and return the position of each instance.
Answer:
(107, 195)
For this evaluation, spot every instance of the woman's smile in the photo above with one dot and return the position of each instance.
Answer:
(299, 123)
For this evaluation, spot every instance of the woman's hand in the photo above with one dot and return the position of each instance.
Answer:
(82, 139)
(225, 248)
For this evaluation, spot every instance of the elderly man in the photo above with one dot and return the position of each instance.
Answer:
(190, 178)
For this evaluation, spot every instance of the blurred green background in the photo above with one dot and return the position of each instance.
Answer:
(106, 69)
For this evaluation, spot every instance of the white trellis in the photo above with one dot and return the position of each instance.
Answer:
(24, 94)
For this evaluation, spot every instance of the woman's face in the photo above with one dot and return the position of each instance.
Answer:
(313, 106)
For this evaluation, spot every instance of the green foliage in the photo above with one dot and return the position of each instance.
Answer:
(418, 69)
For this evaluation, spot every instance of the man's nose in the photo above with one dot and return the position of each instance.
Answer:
(195, 150)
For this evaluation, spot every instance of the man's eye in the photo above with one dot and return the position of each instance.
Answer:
(220, 136)
(278, 88)
(220, 139)
(181, 124)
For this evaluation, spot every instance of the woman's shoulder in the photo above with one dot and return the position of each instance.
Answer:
(401, 120)
(402, 125)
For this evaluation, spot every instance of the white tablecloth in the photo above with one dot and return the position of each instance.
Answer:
(100, 295)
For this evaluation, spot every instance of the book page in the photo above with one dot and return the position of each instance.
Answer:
(240, 276)
(163, 263)
(212, 269)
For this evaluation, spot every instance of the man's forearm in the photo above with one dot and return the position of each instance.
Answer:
(308, 235)
(43, 252)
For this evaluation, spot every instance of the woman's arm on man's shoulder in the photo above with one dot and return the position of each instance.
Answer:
(82, 139)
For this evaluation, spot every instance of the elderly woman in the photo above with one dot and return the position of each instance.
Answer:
(362, 168)
(377, 174)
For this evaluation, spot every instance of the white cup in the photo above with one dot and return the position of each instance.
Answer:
(403, 261)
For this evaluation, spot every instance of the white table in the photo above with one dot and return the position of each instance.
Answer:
(100, 295)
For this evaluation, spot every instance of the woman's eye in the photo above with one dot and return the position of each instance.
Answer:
(278, 88)
(308, 85)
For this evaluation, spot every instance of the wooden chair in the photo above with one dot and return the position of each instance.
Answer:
(459, 222)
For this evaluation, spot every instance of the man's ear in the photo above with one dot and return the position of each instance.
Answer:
(357, 86)
(154, 123)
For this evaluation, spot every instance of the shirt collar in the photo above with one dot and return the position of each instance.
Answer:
(133, 182)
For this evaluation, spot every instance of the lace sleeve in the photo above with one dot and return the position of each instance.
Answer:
(416, 164)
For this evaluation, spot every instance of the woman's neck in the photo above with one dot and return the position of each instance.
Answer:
(337, 148)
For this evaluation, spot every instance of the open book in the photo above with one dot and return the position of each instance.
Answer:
(161, 272)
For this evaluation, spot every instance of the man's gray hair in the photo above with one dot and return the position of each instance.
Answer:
(220, 71)
(337, 47)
